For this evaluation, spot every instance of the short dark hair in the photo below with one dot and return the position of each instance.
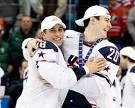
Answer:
(86, 22)
(131, 60)
(97, 17)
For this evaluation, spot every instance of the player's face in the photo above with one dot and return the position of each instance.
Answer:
(103, 25)
(123, 62)
(55, 34)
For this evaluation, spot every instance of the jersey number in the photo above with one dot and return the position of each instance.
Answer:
(114, 55)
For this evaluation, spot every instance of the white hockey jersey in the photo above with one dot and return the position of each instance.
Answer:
(47, 74)
(129, 89)
(97, 87)
(116, 89)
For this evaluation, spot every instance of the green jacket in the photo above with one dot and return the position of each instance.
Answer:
(15, 41)
(4, 55)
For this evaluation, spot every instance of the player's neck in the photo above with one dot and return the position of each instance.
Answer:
(90, 36)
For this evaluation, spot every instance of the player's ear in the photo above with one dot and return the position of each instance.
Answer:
(43, 32)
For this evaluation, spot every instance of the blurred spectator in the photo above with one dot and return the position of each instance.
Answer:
(70, 14)
(4, 48)
(127, 3)
(131, 23)
(9, 10)
(32, 8)
(16, 39)
(126, 39)
(54, 7)
(39, 9)
(27, 6)
(118, 21)
(2, 26)
(15, 87)
(104, 3)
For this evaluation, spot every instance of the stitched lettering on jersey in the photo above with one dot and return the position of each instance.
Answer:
(47, 45)
(111, 54)
(132, 69)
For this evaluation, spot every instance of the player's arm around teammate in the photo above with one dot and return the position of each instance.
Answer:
(59, 75)
(50, 61)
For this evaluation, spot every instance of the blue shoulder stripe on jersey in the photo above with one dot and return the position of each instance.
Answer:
(132, 69)
(111, 54)
(48, 45)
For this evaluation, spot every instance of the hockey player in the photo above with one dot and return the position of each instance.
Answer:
(92, 43)
(48, 72)
(127, 61)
